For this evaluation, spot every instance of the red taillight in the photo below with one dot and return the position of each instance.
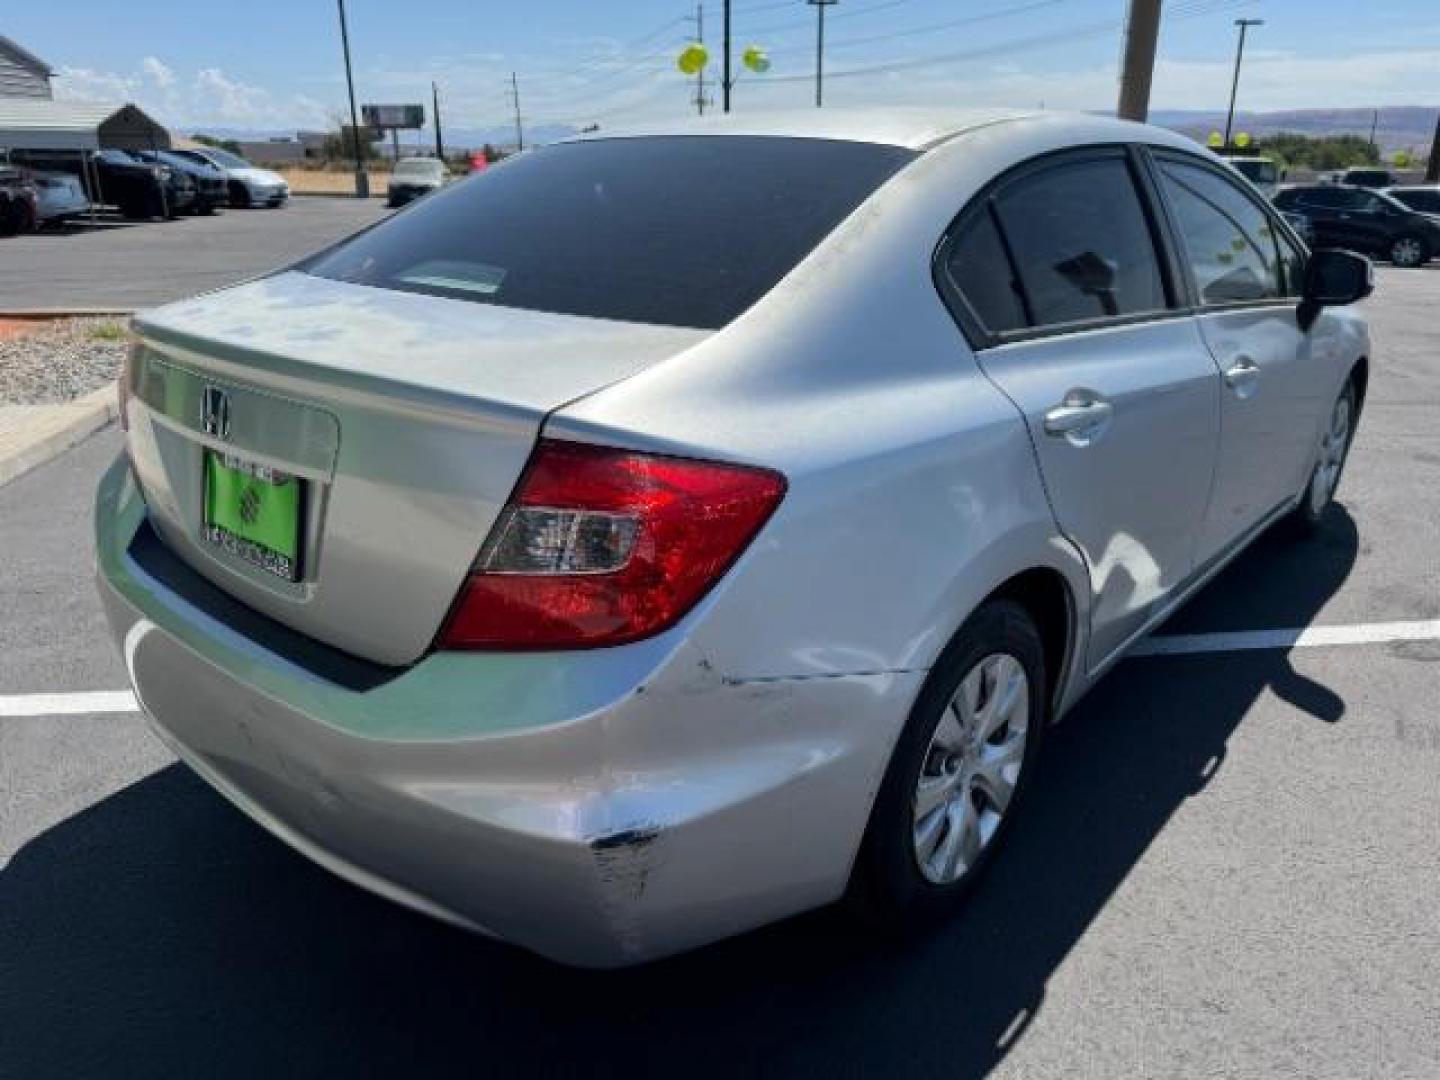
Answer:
(600, 546)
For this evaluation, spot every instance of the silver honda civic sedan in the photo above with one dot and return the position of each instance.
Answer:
(664, 533)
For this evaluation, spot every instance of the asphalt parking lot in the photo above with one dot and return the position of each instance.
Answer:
(1229, 868)
(119, 264)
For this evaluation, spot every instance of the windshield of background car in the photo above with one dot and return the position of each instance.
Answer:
(228, 160)
(680, 231)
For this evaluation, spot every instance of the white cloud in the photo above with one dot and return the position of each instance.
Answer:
(160, 73)
(207, 97)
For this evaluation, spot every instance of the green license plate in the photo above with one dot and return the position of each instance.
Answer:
(253, 513)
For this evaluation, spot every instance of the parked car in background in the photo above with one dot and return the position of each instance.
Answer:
(1367, 177)
(1263, 173)
(212, 186)
(1422, 198)
(60, 197)
(1356, 218)
(249, 185)
(180, 193)
(414, 177)
(136, 188)
(613, 556)
(18, 212)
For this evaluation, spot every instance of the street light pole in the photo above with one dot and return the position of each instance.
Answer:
(820, 6)
(1244, 25)
(362, 179)
(439, 142)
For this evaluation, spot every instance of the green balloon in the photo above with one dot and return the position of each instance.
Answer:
(755, 59)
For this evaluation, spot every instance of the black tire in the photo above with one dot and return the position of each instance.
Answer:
(1409, 251)
(239, 195)
(888, 887)
(1306, 518)
(205, 209)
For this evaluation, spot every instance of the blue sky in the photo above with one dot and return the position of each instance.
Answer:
(580, 61)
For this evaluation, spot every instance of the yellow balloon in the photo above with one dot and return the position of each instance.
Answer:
(1242, 140)
(755, 59)
(1216, 139)
(693, 59)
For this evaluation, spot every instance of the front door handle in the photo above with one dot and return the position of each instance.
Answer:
(1080, 419)
(1243, 377)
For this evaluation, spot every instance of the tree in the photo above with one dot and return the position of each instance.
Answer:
(1324, 154)
(339, 146)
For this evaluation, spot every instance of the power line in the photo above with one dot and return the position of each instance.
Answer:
(895, 35)
(1203, 7)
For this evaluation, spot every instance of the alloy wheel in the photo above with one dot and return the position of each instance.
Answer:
(1333, 443)
(1407, 252)
(971, 768)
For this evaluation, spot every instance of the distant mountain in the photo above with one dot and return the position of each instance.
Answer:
(1402, 127)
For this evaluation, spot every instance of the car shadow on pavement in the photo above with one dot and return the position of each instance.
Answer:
(160, 933)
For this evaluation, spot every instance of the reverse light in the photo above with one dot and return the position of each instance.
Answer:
(601, 546)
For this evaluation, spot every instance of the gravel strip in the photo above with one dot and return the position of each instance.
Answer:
(60, 361)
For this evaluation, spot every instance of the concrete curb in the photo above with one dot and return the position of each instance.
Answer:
(32, 435)
(45, 314)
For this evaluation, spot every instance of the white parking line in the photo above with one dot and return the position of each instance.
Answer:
(1301, 637)
(100, 701)
(18, 706)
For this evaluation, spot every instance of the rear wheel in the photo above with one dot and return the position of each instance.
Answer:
(1409, 252)
(1329, 462)
(958, 771)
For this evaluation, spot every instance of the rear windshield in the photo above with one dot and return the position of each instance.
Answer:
(682, 231)
(415, 167)
(1257, 172)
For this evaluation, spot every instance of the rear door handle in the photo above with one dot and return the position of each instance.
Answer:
(1081, 418)
(1243, 377)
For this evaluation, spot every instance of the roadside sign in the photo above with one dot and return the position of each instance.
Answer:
(393, 117)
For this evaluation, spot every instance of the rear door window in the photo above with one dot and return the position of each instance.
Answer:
(980, 269)
(1229, 240)
(1082, 245)
(682, 231)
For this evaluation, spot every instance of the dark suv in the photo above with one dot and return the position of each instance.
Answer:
(1361, 176)
(212, 187)
(1366, 221)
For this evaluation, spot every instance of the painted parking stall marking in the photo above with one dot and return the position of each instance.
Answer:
(17, 706)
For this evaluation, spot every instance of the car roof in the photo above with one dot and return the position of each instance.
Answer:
(912, 128)
(1414, 187)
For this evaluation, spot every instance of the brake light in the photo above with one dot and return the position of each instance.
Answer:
(600, 546)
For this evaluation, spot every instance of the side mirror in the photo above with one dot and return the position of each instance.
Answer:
(1333, 279)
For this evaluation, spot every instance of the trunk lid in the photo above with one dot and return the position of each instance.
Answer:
(407, 420)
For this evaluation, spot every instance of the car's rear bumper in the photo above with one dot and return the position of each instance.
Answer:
(601, 808)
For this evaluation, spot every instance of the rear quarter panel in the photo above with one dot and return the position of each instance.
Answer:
(913, 492)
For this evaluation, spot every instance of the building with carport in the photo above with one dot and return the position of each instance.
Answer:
(29, 123)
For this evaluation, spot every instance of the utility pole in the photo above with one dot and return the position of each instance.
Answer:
(519, 125)
(439, 143)
(820, 6)
(362, 178)
(1432, 169)
(1374, 123)
(1244, 25)
(699, 20)
(1142, 30)
(725, 74)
